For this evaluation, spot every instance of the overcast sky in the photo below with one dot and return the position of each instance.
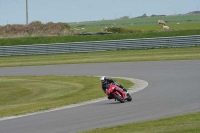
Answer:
(14, 11)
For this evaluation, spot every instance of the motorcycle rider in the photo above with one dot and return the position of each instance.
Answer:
(105, 81)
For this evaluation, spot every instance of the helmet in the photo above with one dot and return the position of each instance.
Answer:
(103, 79)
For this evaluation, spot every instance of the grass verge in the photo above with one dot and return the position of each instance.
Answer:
(187, 53)
(28, 94)
(188, 123)
(82, 38)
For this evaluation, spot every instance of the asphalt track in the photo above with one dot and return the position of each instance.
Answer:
(173, 89)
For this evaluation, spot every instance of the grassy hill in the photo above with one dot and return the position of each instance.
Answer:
(139, 23)
(143, 27)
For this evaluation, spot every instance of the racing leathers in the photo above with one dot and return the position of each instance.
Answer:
(108, 81)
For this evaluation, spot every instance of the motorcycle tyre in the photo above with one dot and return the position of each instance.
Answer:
(129, 98)
(119, 98)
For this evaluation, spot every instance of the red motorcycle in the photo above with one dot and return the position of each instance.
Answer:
(117, 93)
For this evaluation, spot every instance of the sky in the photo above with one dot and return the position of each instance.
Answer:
(14, 11)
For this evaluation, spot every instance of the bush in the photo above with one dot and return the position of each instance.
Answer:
(122, 30)
(35, 28)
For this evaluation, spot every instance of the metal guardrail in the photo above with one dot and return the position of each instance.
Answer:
(92, 46)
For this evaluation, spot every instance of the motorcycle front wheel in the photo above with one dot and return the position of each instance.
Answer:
(129, 98)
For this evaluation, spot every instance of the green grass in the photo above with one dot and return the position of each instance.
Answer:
(155, 32)
(151, 27)
(137, 22)
(189, 25)
(190, 53)
(27, 94)
(188, 123)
